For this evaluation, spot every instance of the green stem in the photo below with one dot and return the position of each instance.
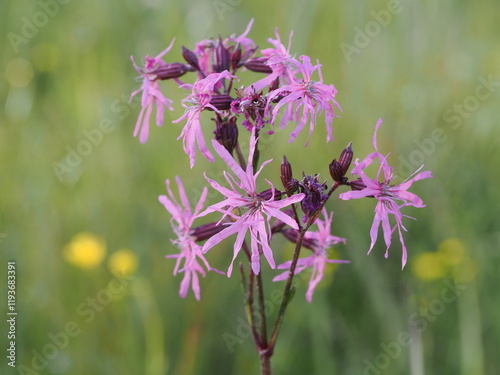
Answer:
(265, 359)
(291, 273)
(286, 292)
(248, 300)
(241, 158)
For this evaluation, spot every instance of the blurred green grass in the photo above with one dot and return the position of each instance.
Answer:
(425, 60)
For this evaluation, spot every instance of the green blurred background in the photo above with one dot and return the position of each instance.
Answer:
(73, 73)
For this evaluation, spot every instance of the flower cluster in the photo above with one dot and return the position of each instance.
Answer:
(286, 90)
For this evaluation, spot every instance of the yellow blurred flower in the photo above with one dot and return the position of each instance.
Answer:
(123, 262)
(85, 250)
(428, 266)
(451, 251)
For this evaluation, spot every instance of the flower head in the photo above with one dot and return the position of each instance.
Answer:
(202, 92)
(256, 211)
(151, 94)
(279, 60)
(190, 251)
(387, 196)
(319, 242)
(312, 96)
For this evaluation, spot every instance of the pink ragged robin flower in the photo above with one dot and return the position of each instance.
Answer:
(190, 251)
(245, 42)
(199, 99)
(255, 211)
(319, 242)
(151, 94)
(313, 96)
(279, 60)
(387, 196)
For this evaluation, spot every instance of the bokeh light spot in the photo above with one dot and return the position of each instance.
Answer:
(427, 266)
(123, 262)
(85, 250)
(451, 251)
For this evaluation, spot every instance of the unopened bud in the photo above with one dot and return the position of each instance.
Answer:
(336, 170)
(226, 132)
(258, 65)
(345, 158)
(190, 58)
(236, 58)
(357, 184)
(222, 60)
(286, 172)
(221, 102)
(206, 231)
(170, 70)
(273, 194)
(248, 54)
(274, 84)
(290, 184)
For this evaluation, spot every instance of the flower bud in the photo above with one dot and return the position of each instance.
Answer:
(345, 158)
(222, 60)
(226, 132)
(289, 183)
(221, 102)
(236, 58)
(190, 58)
(336, 170)
(268, 194)
(357, 184)
(205, 231)
(170, 70)
(274, 84)
(258, 65)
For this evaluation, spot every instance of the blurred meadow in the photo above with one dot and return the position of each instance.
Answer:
(430, 69)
